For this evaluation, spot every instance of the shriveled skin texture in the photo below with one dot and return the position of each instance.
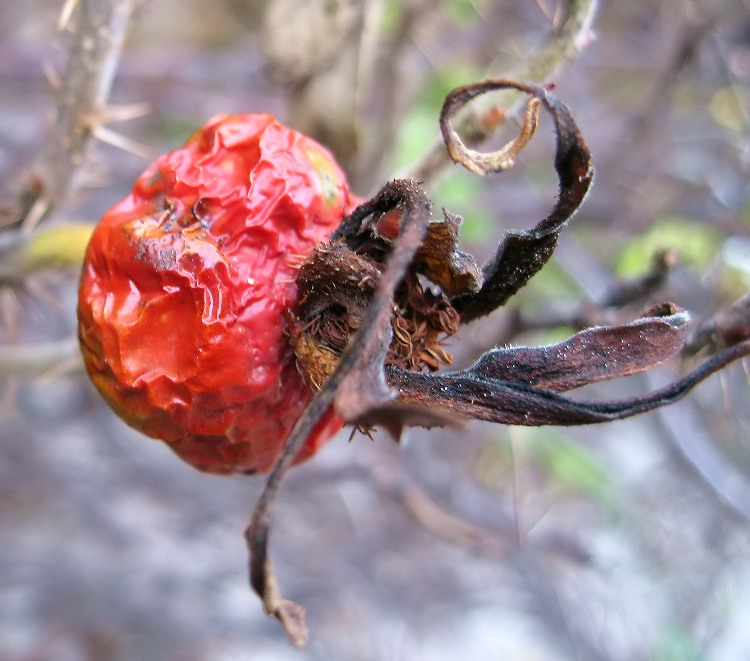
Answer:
(185, 287)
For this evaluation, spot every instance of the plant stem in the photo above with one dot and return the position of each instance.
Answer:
(98, 29)
(28, 361)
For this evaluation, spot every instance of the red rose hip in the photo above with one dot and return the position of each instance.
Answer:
(186, 283)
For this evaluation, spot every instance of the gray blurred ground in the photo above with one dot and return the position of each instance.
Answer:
(111, 548)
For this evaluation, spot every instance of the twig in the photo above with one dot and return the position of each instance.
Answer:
(563, 45)
(39, 359)
(640, 289)
(398, 484)
(728, 326)
(688, 433)
(98, 30)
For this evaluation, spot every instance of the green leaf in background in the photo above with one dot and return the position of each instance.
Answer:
(696, 243)
(460, 192)
(564, 462)
(727, 107)
(462, 12)
(420, 125)
(745, 215)
(736, 256)
(552, 284)
(677, 644)
(569, 463)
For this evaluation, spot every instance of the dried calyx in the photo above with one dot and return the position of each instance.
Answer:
(337, 284)
(376, 303)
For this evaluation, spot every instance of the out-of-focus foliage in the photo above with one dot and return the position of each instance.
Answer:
(696, 243)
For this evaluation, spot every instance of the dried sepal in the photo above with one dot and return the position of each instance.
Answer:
(524, 253)
(593, 355)
(438, 258)
(506, 401)
(356, 385)
(484, 163)
(521, 385)
(357, 294)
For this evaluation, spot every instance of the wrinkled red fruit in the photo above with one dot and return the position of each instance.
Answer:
(186, 284)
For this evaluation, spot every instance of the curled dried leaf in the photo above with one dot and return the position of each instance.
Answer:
(439, 259)
(484, 163)
(511, 402)
(524, 253)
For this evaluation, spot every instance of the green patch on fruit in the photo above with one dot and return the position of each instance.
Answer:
(327, 175)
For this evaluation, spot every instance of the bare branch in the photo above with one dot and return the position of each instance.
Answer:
(98, 30)
(40, 359)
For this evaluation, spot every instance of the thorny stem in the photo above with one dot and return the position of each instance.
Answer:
(98, 30)
(564, 44)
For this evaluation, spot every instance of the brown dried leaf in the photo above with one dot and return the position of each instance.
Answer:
(595, 354)
(357, 385)
(506, 401)
(524, 253)
(438, 258)
(479, 162)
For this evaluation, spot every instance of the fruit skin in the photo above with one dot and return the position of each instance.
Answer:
(186, 284)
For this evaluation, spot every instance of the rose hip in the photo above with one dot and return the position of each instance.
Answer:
(186, 284)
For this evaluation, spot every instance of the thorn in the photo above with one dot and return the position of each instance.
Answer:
(65, 14)
(115, 139)
(52, 76)
(125, 112)
(36, 213)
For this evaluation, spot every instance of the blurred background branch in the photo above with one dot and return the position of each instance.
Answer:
(96, 31)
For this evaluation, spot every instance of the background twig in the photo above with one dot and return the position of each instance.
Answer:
(97, 29)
